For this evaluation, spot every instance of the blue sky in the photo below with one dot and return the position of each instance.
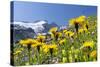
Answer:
(58, 13)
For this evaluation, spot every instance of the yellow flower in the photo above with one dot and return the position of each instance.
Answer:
(22, 42)
(93, 54)
(26, 42)
(86, 30)
(36, 43)
(53, 29)
(80, 30)
(81, 19)
(72, 22)
(64, 31)
(52, 35)
(83, 30)
(52, 49)
(88, 44)
(41, 38)
(53, 46)
(78, 20)
(45, 48)
(62, 41)
(38, 46)
(58, 34)
(53, 32)
(69, 33)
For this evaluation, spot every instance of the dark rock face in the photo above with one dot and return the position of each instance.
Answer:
(48, 26)
(23, 33)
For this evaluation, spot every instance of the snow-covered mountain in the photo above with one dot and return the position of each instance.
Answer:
(23, 30)
(36, 26)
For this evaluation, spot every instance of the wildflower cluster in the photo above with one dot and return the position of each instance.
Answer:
(76, 43)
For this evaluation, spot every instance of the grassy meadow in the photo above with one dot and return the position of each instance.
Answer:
(77, 43)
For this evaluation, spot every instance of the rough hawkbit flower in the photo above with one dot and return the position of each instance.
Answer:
(79, 21)
(62, 41)
(81, 31)
(41, 38)
(58, 35)
(38, 45)
(45, 48)
(70, 34)
(87, 46)
(53, 30)
(27, 42)
(49, 48)
(52, 48)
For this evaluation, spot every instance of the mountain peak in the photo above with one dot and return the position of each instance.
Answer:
(39, 22)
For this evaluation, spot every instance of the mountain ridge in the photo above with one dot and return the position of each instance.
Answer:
(30, 30)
